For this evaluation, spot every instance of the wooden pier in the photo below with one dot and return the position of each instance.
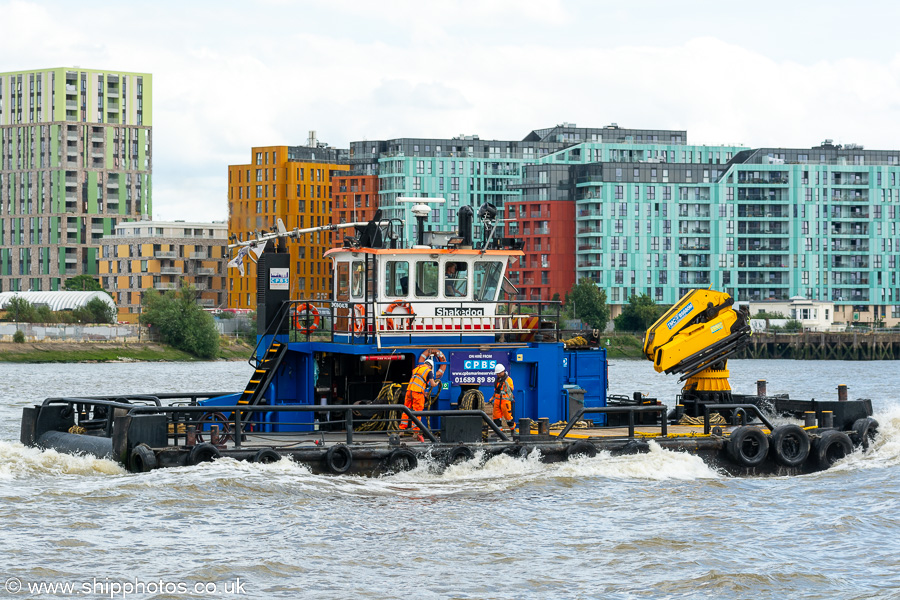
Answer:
(824, 346)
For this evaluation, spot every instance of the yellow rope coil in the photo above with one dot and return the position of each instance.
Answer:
(714, 419)
(77, 429)
(575, 342)
(562, 424)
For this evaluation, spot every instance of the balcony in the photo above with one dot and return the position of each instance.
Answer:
(201, 286)
(208, 302)
(206, 271)
(165, 285)
(165, 254)
(171, 271)
(199, 256)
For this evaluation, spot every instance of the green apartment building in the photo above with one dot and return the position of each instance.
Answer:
(761, 224)
(75, 159)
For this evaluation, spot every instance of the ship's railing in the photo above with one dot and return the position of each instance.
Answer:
(365, 322)
(629, 410)
(189, 423)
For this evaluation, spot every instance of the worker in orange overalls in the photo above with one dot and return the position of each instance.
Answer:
(503, 397)
(421, 380)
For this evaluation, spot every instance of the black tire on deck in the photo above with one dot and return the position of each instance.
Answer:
(142, 459)
(338, 459)
(460, 454)
(266, 456)
(789, 445)
(203, 453)
(748, 446)
(831, 447)
(581, 448)
(866, 429)
(401, 460)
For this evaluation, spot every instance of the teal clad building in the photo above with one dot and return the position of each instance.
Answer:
(75, 159)
(761, 224)
(464, 170)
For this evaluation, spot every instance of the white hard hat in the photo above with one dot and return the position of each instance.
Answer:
(430, 362)
(499, 369)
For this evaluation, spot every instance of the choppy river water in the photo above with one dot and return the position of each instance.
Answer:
(661, 525)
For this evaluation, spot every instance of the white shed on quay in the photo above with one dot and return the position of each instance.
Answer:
(56, 301)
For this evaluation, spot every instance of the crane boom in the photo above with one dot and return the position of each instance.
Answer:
(695, 338)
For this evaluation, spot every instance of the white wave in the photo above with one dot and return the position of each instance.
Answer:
(657, 465)
(17, 460)
(884, 450)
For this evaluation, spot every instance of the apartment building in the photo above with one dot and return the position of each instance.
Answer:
(355, 200)
(761, 224)
(75, 160)
(293, 183)
(164, 255)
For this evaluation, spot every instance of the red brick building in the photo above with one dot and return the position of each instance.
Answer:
(355, 200)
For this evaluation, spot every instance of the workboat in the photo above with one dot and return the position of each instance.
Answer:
(329, 376)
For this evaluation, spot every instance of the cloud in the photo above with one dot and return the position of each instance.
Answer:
(231, 76)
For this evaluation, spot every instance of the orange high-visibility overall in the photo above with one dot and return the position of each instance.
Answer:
(502, 399)
(415, 394)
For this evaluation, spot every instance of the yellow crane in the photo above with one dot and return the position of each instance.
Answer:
(695, 338)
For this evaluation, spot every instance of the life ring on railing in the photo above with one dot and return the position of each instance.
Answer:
(403, 318)
(359, 318)
(301, 320)
(440, 361)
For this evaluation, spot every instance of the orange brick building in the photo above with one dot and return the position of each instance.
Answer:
(293, 183)
(355, 200)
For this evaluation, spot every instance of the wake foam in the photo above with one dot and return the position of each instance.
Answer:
(19, 461)
(884, 451)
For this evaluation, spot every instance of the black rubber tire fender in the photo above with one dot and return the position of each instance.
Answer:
(401, 459)
(517, 452)
(266, 456)
(460, 454)
(789, 445)
(142, 459)
(866, 429)
(338, 459)
(831, 447)
(581, 448)
(748, 446)
(203, 453)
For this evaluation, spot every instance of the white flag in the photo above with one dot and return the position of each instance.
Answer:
(238, 260)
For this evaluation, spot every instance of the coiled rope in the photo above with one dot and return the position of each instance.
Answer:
(714, 419)
(472, 400)
(575, 342)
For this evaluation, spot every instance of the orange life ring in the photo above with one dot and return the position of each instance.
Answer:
(408, 321)
(359, 318)
(301, 321)
(440, 361)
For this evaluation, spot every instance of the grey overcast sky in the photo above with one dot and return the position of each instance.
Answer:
(231, 75)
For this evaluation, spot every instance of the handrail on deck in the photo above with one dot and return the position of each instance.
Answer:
(630, 410)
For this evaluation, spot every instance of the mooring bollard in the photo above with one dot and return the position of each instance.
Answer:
(810, 416)
(842, 393)
(544, 426)
(827, 419)
(191, 437)
(760, 387)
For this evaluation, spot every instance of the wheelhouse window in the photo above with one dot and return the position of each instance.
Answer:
(342, 282)
(358, 274)
(426, 279)
(396, 278)
(456, 280)
(488, 275)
